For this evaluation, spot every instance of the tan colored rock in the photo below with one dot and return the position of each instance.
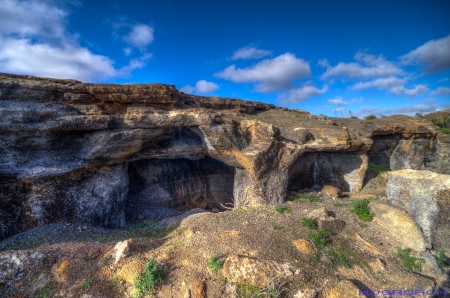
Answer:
(130, 270)
(93, 253)
(304, 246)
(364, 244)
(343, 289)
(60, 270)
(335, 226)
(256, 272)
(400, 225)
(230, 233)
(196, 202)
(331, 191)
(306, 293)
(320, 213)
(377, 266)
(200, 290)
(120, 251)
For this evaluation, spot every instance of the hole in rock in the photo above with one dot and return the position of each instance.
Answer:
(313, 170)
(160, 188)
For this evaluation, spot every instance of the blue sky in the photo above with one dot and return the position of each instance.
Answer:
(327, 57)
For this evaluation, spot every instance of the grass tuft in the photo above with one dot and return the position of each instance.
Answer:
(362, 210)
(283, 209)
(307, 196)
(309, 223)
(152, 277)
(409, 262)
(320, 238)
(378, 168)
(215, 263)
(441, 260)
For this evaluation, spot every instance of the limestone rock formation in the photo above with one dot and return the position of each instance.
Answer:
(75, 152)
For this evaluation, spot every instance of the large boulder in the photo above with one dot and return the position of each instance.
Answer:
(416, 192)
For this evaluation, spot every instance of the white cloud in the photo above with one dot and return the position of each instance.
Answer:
(127, 51)
(393, 85)
(302, 93)
(140, 36)
(269, 74)
(250, 53)
(444, 80)
(371, 67)
(34, 40)
(434, 55)
(338, 101)
(358, 100)
(406, 110)
(203, 86)
(187, 89)
(441, 90)
(430, 99)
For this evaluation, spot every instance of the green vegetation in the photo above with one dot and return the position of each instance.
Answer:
(309, 223)
(370, 117)
(441, 259)
(276, 228)
(409, 262)
(320, 238)
(283, 209)
(442, 122)
(378, 168)
(341, 258)
(215, 263)
(247, 291)
(307, 196)
(444, 130)
(40, 293)
(337, 204)
(152, 277)
(362, 210)
(419, 115)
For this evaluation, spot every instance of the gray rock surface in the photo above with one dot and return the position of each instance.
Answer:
(416, 192)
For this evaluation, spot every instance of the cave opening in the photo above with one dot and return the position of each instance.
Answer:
(160, 188)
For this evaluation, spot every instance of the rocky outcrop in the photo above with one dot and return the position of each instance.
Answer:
(417, 193)
(100, 153)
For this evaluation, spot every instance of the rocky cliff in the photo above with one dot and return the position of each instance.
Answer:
(101, 154)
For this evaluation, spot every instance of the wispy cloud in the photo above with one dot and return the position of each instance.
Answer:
(393, 85)
(368, 66)
(444, 80)
(434, 55)
(405, 110)
(201, 87)
(42, 46)
(270, 74)
(338, 101)
(304, 92)
(140, 36)
(250, 53)
(441, 91)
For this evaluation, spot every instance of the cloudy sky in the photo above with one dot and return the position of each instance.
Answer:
(327, 57)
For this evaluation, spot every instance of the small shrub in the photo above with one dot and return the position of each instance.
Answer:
(418, 116)
(309, 196)
(215, 263)
(378, 168)
(309, 223)
(409, 262)
(276, 228)
(370, 117)
(341, 258)
(320, 238)
(442, 122)
(362, 210)
(282, 209)
(247, 291)
(445, 130)
(152, 277)
(441, 260)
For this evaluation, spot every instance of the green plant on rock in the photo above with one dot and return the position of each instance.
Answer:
(308, 196)
(153, 276)
(215, 263)
(320, 238)
(282, 209)
(309, 223)
(441, 260)
(409, 262)
(341, 258)
(362, 210)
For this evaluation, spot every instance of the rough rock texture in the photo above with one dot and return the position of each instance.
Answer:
(438, 159)
(400, 225)
(415, 192)
(13, 264)
(76, 152)
(255, 272)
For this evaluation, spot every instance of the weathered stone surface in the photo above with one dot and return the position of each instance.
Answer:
(320, 213)
(331, 191)
(256, 272)
(120, 251)
(442, 232)
(400, 225)
(304, 246)
(173, 222)
(343, 289)
(12, 263)
(335, 226)
(415, 192)
(306, 293)
(62, 140)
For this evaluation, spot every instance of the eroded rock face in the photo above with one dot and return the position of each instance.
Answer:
(417, 193)
(95, 153)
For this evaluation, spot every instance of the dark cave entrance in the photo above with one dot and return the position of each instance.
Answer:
(160, 188)
(313, 170)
